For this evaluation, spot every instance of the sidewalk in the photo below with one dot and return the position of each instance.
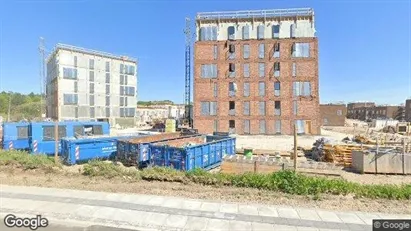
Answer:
(146, 212)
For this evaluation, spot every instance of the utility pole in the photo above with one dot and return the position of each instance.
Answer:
(295, 147)
(42, 73)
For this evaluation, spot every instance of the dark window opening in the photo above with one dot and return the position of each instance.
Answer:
(231, 105)
(48, 132)
(232, 67)
(231, 48)
(231, 123)
(22, 133)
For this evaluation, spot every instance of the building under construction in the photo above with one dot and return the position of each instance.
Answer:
(256, 72)
(84, 84)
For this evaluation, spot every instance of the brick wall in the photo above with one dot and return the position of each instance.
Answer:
(408, 110)
(307, 70)
(333, 115)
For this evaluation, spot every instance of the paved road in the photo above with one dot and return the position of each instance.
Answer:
(146, 212)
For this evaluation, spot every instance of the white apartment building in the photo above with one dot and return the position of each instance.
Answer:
(148, 114)
(84, 84)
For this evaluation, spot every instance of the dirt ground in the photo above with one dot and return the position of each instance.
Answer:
(73, 180)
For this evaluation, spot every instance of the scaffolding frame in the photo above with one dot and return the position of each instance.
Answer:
(246, 14)
(91, 52)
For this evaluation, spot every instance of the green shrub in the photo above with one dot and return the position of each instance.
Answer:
(26, 160)
(108, 170)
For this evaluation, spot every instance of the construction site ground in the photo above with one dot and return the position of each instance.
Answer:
(72, 178)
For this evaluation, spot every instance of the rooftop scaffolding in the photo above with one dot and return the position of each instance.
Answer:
(255, 14)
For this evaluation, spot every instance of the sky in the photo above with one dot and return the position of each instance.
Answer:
(364, 46)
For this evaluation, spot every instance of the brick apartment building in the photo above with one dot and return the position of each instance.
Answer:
(407, 110)
(333, 114)
(256, 72)
(367, 111)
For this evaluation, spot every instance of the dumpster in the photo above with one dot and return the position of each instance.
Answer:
(136, 152)
(80, 150)
(16, 136)
(186, 154)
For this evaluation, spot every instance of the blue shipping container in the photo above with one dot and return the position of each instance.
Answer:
(42, 133)
(139, 154)
(16, 136)
(80, 150)
(206, 156)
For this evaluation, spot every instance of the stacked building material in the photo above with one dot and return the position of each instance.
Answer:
(340, 154)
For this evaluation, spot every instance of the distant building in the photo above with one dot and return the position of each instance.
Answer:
(150, 113)
(84, 84)
(369, 111)
(333, 114)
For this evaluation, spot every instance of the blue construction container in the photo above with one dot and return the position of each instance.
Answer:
(42, 133)
(16, 136)
(138, 154)
(80, 150)
(206, 156)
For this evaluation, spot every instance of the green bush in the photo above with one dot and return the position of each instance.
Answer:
(26, 160)
(108, 170)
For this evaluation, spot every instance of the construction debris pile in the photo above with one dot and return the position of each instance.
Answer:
(334, 152)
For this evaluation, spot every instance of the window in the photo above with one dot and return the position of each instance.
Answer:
(300, 50)
(215, 52)
(69, 73)
(231, 69)
(129, 70)
(277, 69)
(22, 132)
(261, 89)
(208, 108)
(91, 88)
(232, 89)
(246, 69)
(107, 66)
(92, 112)
(231, 108)
(246, 32)
(107, 100)
(208, 33)
(277, 87)
(216, 125)
(231, 33)
(277, 127)
(246, 108)
(75, 86)
(215, 90)
(261, 50)
(122, 79)
(246, 126)
(122, 101)
(209, 71)
(339, 112)
(261, 69)
(276, 31)
(246, 51)
(261, 108)
(262, 126)
(125, 101)
(107, 112)
(121, 68)
(107, 77)
(75, 61)
(295, 107)
(292, 30)
(301, 88)
(260, 32)
(276, 50)
(299, 124)
(246, 89)
(325, 122)
(49, 135)
(91, 100)
(91, 76)
(277, 108)
(129, 91)
(231, 50)
(70, 99)
(91, 64)
(294, 70)
(231, 123)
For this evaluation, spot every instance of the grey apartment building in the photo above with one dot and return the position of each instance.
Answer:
(84, 84)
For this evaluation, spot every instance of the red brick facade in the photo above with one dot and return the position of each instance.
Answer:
(306, 70)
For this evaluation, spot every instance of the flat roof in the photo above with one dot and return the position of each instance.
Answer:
(61, 46)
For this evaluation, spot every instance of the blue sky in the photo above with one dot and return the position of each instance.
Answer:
(364, 46)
